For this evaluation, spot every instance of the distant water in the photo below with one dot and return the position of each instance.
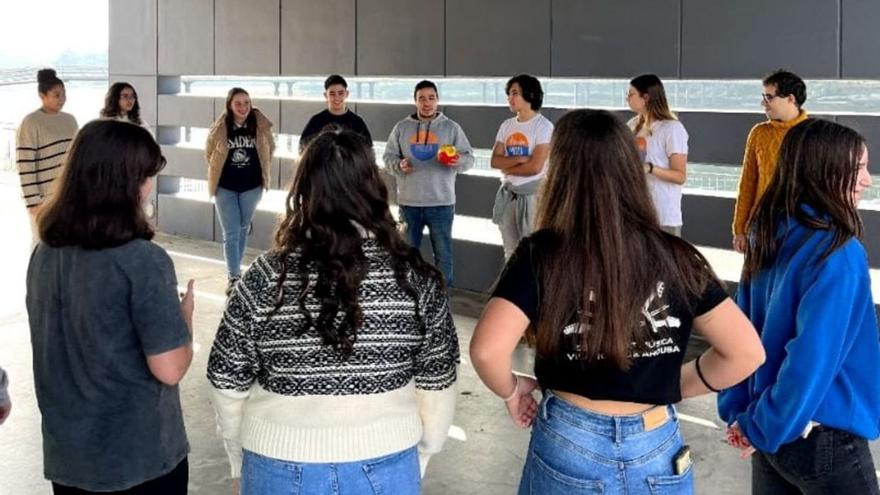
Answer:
(84, 100)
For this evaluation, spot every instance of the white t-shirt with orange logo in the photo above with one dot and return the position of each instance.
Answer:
(520, 139)
(666, 137)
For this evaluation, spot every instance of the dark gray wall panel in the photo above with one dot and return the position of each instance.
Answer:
(497, 37)
(246, 37)
(749, 38)
(718, 138)
(480, 124)
(132, 37)
(181, 216)
(476, 265)
(871, 239)
(707, 220)
(186, 37)
(317, 38)
(400, 37)
(185, 162)
(295, 115)
(860, 41)
(380, 118)
(475, 194)
(604, 38)
(869, 127)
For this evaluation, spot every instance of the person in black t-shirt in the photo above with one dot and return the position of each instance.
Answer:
(239, 154)
(337, 114)
(609, 300)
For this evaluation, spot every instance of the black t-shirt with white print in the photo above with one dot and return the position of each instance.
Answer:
(653, 378)
(242, 171)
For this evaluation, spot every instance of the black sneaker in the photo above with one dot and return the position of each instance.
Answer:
(231, 285)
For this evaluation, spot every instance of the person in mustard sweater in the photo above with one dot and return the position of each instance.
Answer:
(783, 98)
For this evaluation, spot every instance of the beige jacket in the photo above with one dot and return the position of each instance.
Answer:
(216, 149)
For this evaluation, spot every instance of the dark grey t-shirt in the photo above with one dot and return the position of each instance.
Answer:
(95, 315)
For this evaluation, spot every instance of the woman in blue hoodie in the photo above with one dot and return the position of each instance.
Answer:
(810, 409)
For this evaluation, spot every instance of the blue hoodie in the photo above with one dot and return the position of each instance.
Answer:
(819, 330)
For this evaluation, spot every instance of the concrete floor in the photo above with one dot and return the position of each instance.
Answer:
(483, 455)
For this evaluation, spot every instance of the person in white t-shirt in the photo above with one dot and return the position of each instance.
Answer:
(522, 147)
(663, 144)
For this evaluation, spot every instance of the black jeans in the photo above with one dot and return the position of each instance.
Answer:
(173, 483)
(829, 461)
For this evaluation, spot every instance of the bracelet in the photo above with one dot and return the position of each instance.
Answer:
(700, 374)
(515, 388)
(650, 168)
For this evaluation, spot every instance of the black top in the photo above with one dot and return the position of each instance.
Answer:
(653, 378)
(242, 171)
(321, 120)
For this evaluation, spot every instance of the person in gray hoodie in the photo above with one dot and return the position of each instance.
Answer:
(425, 152)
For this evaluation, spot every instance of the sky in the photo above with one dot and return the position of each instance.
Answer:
(35, 32)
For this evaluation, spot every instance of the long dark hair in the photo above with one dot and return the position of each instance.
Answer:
(47, 79)
(111, 102)
(337, 191)
(250, 123)
(650, 87)
(604, 252)
(818, 168)
(97, 201)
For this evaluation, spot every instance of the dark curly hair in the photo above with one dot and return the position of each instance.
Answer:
(111, 102)
(336, 195)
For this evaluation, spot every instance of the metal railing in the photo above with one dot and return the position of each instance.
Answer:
(26, 75)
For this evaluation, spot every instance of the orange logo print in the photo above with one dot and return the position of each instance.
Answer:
(424, 145)
(517, 144)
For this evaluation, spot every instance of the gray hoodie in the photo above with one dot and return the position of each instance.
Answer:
(431, 183)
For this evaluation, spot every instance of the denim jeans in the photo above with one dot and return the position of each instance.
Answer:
(828, 461)
(396, 474)
(235, 211)
(577, 451)
(439, 222)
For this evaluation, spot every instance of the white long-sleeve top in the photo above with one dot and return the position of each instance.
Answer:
(282, 393)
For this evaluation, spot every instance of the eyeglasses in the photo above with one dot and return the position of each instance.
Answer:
(767, 97)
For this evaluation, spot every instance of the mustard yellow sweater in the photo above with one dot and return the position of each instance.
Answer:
(759, 163)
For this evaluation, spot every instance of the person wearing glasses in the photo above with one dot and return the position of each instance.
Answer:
(121, 103)
(783, 98)
(662, 142)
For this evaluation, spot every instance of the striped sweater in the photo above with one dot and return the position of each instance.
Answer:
(41, 145)
(280, 392)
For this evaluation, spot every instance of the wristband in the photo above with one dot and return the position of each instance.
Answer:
(515, 389)
(700, 374)
(650, 168)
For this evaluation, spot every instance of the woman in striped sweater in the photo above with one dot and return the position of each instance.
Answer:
(335, 360)
(41, 143)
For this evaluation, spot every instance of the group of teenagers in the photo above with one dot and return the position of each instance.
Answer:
(334, 366)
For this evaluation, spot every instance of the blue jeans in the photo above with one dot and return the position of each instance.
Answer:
(439, 222)
(235, 211)
(828, 461)
(576, 451)
(396, 473)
